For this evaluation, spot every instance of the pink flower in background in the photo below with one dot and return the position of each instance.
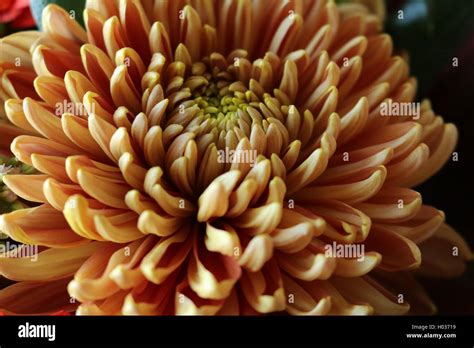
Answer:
(16, 12)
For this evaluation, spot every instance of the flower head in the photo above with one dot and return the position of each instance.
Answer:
(137, 212)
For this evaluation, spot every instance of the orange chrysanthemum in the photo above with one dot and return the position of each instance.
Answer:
(138, 211)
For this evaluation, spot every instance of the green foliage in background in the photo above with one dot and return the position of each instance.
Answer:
(8, 200)
(77, 6)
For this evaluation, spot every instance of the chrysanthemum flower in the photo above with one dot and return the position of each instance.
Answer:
(138, 213)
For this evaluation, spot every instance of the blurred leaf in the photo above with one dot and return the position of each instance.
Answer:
(77, 6)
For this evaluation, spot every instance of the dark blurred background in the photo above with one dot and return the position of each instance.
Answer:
(434, 32)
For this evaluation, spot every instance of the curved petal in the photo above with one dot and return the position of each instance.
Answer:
(211, 275)
(42, 225)
(264, 289)
(168, 254)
